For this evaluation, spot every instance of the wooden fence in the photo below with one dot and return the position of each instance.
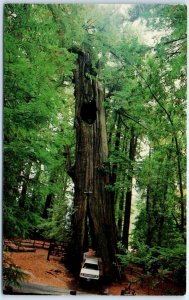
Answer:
(21, 245)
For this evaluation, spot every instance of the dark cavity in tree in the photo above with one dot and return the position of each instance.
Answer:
(88, 112)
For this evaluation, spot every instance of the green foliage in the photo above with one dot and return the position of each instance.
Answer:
(157, 261)
(145, 97)
(12, 274)
(58, 224)
(36, 124)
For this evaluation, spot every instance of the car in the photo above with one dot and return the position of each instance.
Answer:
(90, 269)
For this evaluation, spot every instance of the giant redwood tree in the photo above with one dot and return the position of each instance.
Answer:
(93, 206)
(145, 97)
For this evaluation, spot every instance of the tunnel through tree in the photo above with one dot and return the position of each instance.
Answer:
(94, 208)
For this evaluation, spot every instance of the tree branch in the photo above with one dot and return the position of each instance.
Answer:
(176, 40)
(123, 113)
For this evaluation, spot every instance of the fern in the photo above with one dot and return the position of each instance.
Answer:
(12, 274)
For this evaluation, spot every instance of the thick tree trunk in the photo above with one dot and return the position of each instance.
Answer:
(92, 202)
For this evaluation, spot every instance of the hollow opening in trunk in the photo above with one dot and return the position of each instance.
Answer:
(88, 112)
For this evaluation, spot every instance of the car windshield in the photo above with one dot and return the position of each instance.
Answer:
(90, 266)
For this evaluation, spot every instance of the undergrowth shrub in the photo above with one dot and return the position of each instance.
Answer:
(157, 261)
(12, 274)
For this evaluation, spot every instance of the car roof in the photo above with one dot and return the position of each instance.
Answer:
(91, 260)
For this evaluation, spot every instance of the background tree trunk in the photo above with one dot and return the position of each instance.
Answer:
(126, 226)
(116, 151)
(93, 205)
(25, 181)
(49, 198)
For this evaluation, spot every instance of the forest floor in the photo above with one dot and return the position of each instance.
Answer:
(54, 273)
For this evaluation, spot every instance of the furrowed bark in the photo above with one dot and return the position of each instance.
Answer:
(94, 208)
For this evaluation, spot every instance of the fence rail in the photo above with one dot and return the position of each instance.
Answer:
(23, 245)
